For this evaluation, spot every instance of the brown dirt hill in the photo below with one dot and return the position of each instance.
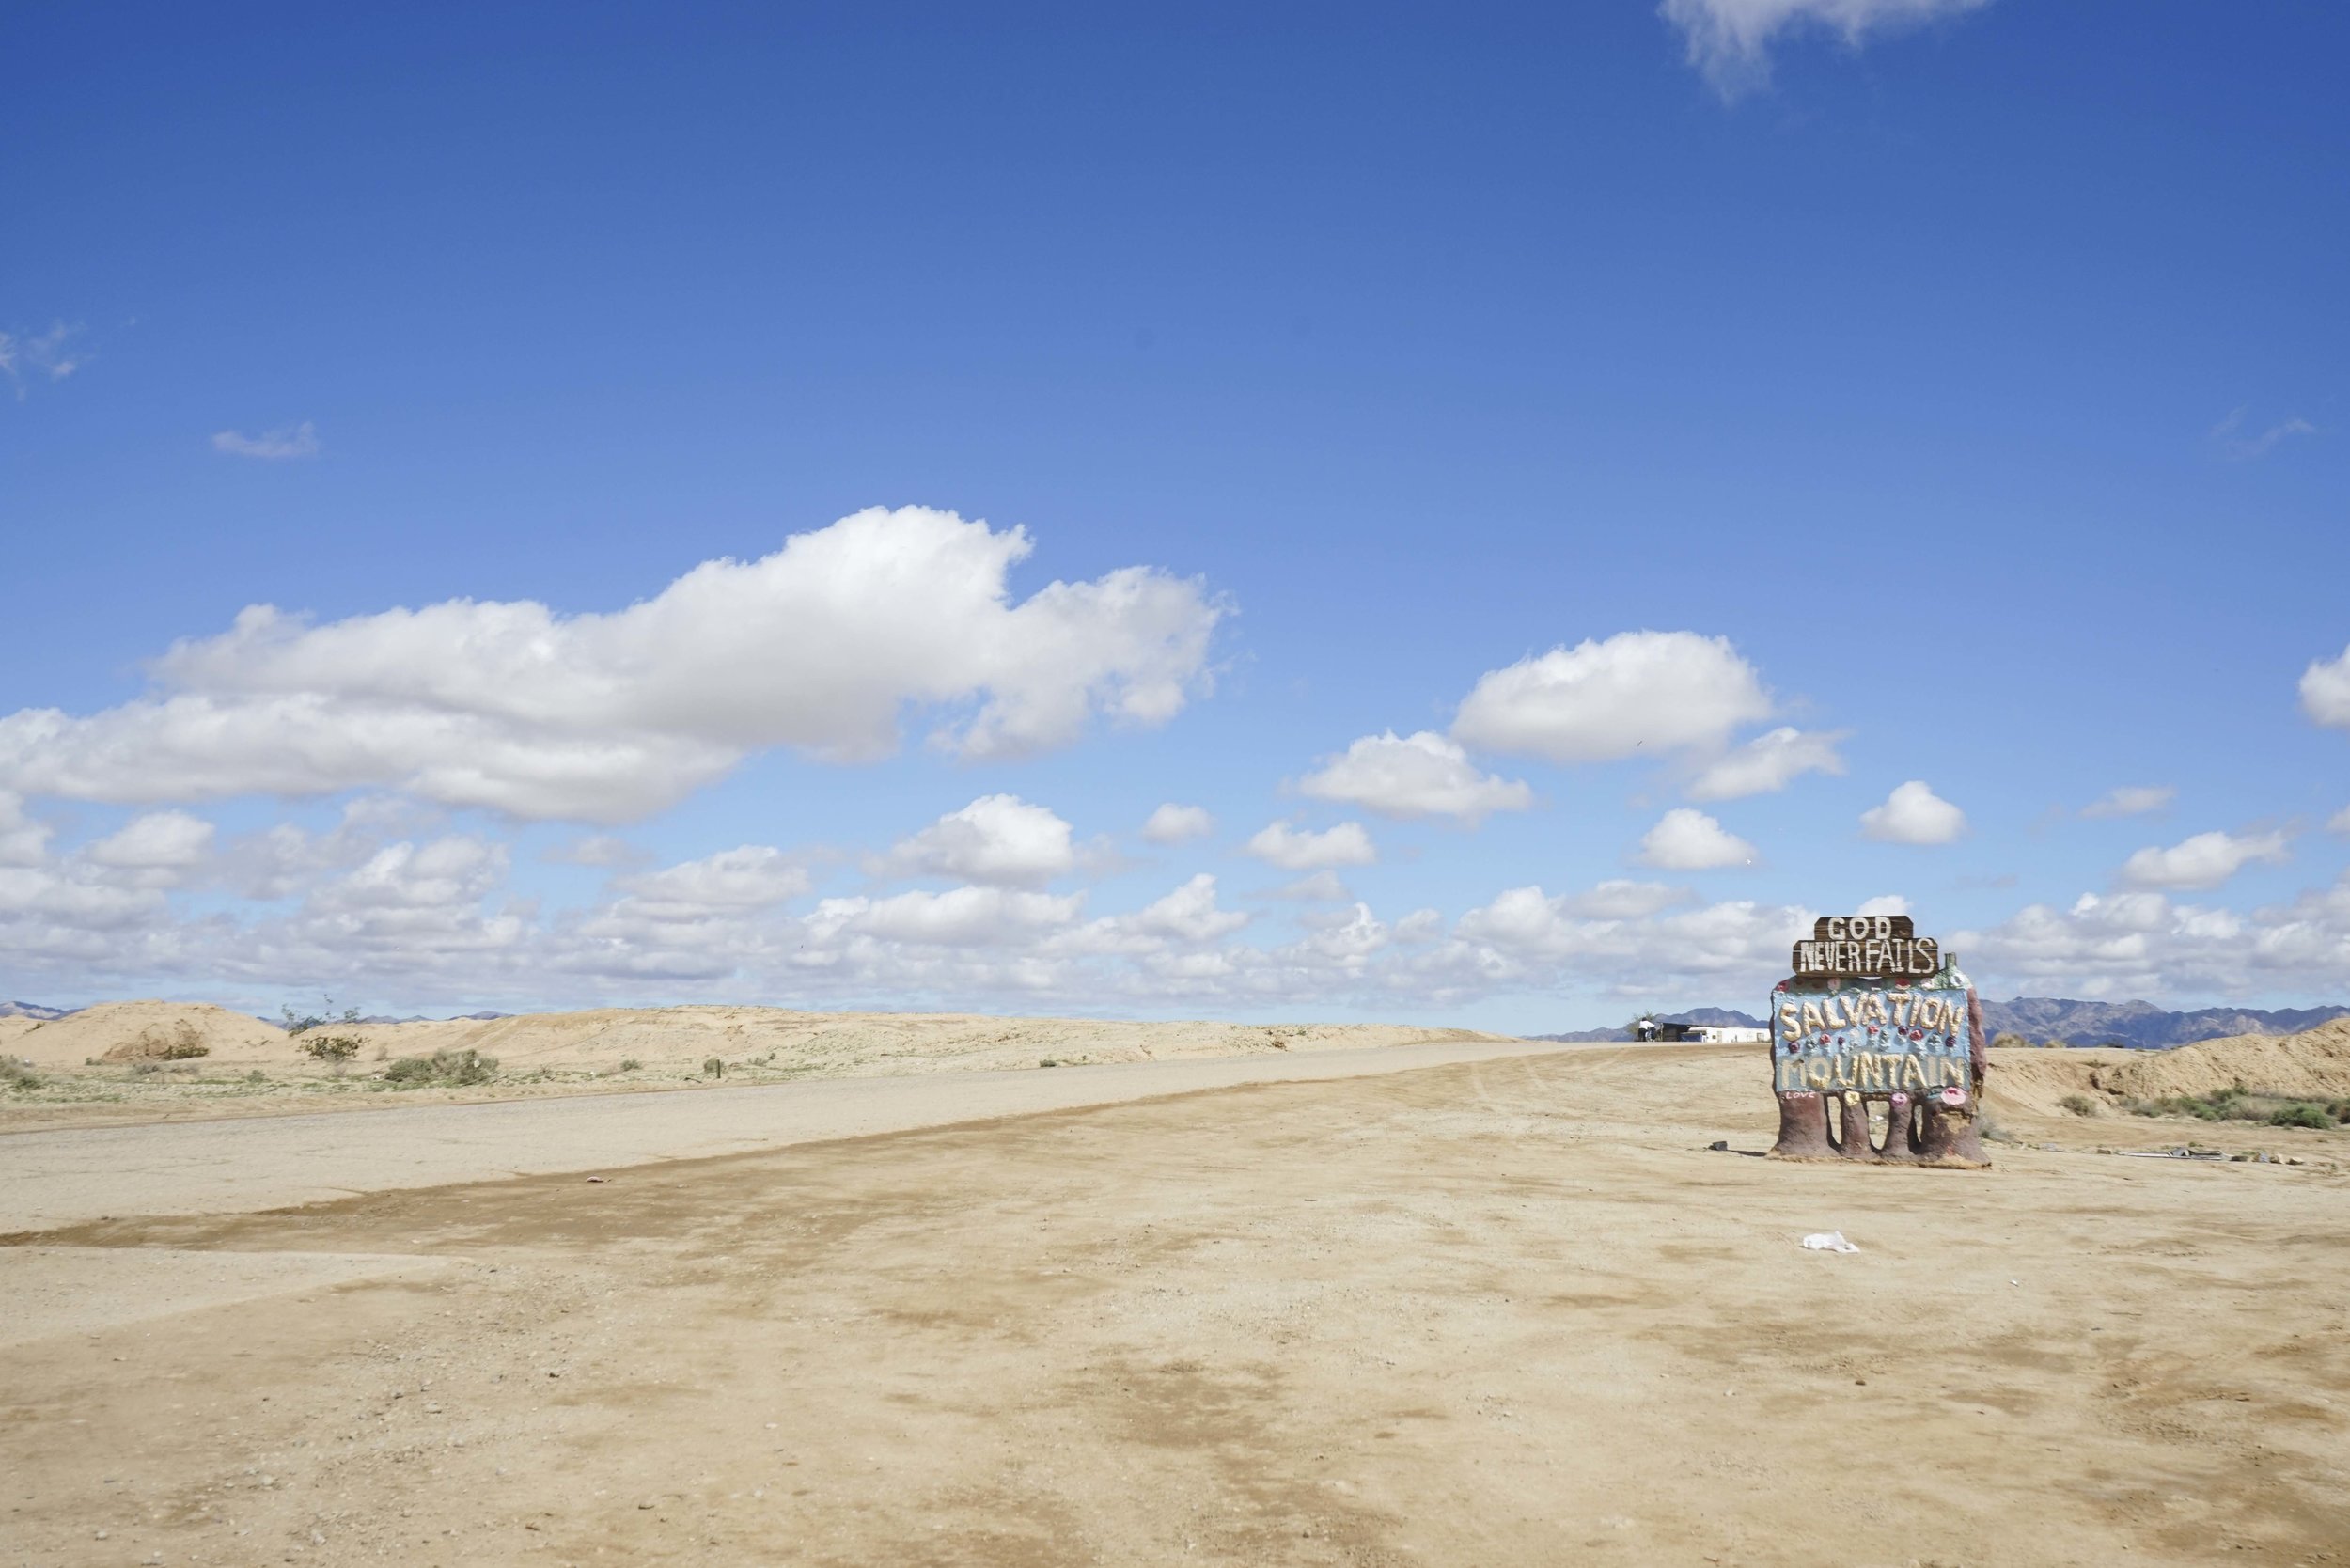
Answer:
(2315, 1063)
(129, 1031)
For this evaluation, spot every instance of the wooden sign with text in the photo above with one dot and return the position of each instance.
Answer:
(1884, 946)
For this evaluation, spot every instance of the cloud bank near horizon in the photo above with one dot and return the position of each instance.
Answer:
(442, 734)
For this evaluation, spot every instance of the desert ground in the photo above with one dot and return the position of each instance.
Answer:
(112, 1063)
(1505, 1309)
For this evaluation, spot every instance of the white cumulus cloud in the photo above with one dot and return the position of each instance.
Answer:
(960, 916)
(23, 840)
(1620, 898)
(821, 646)
(1189, 914)
(1526, 937)
(1914, 814)
(1768, 764)
(1602, 700)
(289, 440)
(2131, 800)
(1295, 849)
(2205, 860)
(1324, 887)
(998, 840)
(1172, 824)
(2143, 943)
(1422, 774)
(2326, 691)
(1730, 39)
(159, 840)
(752, 876)
(1686, 839)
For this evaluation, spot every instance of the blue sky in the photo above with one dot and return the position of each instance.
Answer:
(1956, 385)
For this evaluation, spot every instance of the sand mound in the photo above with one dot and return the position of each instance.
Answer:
(2315, 1064)
(837, 1044)
(818, 1045)
(2029, 1079)
(148, 1031)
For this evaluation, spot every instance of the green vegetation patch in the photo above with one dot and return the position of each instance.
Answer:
(2244, 1105)
(467, 1066)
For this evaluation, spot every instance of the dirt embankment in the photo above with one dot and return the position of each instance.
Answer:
(600, 1040)
(2315, 1064)
(148, 1031)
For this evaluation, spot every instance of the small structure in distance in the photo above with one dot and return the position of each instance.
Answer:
(1650, 1028)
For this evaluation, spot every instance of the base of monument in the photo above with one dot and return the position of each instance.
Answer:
(1946, 1162)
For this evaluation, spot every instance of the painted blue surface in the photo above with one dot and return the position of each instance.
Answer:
(1857, 1036)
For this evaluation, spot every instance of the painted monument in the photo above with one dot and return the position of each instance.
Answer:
(1877, 1026)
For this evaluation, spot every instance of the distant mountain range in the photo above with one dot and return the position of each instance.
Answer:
(2138, 1026)
(50, 1014)
(2142, 1026)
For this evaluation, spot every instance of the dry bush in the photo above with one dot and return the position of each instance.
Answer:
(467, 1066)
(183, 1043)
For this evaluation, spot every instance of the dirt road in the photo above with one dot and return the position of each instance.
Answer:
(67, 1177)
(1500, 1313)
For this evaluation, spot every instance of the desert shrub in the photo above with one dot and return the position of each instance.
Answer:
(305, 1021)
(714, 1068)
(2237, 1103)
(331, 1047)
(16, 1073)
(2008, 1040)
(183, 1043)
(629, 1064)
(467, 1066)
(1993, 1128)
(2056, 1044)
(257, 1076)
(2079, 1105)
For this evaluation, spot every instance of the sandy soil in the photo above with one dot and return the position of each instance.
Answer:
(219, 1166)
(1502, 1312)
(105, 1064)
